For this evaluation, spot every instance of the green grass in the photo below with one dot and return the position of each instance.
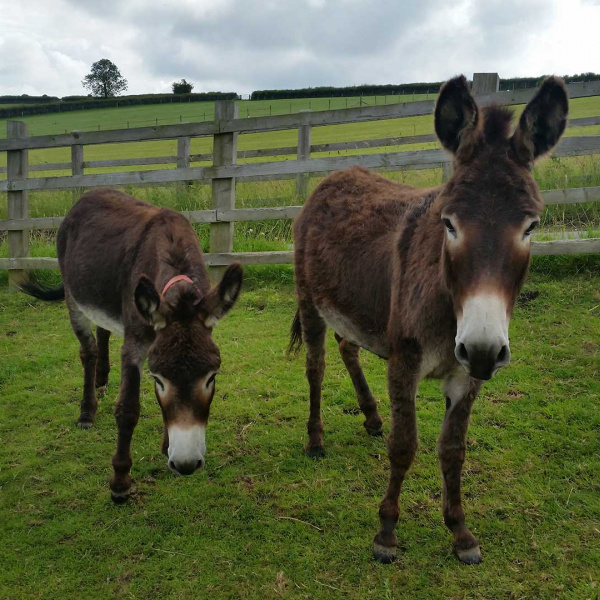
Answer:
(531, 489)
(114, 118)
(550, 174)
(181, 112)
(277, 235)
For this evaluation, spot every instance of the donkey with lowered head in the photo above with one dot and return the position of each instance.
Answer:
(426, 279)
(138, 271)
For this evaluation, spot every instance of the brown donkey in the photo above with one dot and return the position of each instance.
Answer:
(138, 271)
(426, 279)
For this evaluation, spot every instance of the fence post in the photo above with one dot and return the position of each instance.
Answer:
(183, 152)
(76, 167)
(223, 190)
(183, 155)
(302, 179)
(485, 83)
(17, 167)
(446, 171)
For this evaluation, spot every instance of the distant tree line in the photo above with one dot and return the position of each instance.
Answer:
(37, 105)
(355, 90)
(68, 103)
(26, 99)
(403, 88)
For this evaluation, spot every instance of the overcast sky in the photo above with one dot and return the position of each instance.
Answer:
(48, 46)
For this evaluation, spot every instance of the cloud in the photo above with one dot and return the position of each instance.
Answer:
(236, 45)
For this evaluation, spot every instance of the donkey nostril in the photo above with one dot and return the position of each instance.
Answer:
(172, 465)
(461, 353)
(200, 464)
(503, 355)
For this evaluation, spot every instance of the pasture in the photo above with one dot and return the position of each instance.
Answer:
(276, 235)
(115, 118)
(264, 521)
(167, 113)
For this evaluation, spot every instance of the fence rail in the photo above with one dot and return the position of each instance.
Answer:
(570, 146)
(264, 152)
(225, 171)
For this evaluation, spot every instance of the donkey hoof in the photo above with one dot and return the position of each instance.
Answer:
(101, 390)
(85, 423)
(374, 430)
(315, 451)
(374, 425)
(384, 554)
(469, 556)
(120, 497)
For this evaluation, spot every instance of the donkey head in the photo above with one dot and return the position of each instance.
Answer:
(489, 208)
(184, 360)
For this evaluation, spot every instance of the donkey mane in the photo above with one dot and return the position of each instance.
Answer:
(497, 124)
(412, 218)
(177, 255)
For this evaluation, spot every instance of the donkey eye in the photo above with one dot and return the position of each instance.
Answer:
(210, 380)
(449, 226)
(531, 228)
(159, 383)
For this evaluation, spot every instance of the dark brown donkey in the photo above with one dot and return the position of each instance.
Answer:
(426, 279)
(138, 271)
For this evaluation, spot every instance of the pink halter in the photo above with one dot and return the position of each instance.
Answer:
(177, 278)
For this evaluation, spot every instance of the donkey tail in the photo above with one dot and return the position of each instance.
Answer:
(43, 292)
(295, 335)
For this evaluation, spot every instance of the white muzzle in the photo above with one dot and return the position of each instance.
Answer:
(187, 448)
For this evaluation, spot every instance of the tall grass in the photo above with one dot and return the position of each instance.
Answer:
(553, 173)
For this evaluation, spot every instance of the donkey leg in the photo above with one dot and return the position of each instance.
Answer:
(88, 354)
(403, 369)
(313, 332)
(103, 365)
(127, 413)
(460, 391)
(349, 352)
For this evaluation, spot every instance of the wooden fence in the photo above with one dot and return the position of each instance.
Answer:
(224, 171)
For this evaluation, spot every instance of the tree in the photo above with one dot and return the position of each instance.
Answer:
(182, 87)
(105, 79)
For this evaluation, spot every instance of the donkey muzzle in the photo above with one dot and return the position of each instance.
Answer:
(482, 335)
(187, 448)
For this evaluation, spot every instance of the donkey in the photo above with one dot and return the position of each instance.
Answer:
(138, 271)
(426, 279)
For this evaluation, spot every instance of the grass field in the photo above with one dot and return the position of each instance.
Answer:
(169, 113)
(276, 235)
(557, 220)
(115, 118)
(264, 521)
(551, 174)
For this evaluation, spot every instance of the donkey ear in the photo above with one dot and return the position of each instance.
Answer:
(542, 122)
(456, 115)
(219, 301)
(147, 301)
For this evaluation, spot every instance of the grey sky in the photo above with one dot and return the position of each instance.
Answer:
(47, 46)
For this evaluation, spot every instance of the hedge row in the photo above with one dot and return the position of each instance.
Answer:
(356, 90)
(25, 99)
(405, 88)
(85, 102)
(37, 105)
